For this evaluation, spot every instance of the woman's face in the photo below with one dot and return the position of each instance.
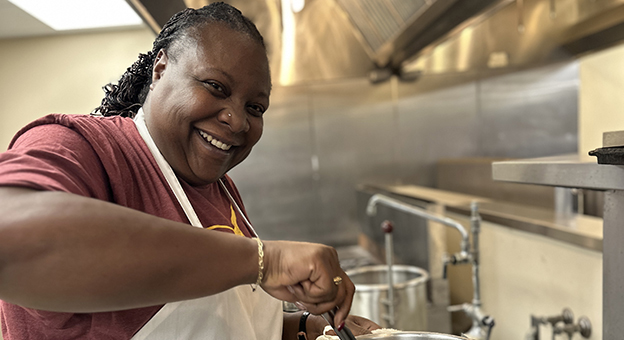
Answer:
(205, 105)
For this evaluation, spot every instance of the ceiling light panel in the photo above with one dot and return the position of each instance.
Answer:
(80, 14)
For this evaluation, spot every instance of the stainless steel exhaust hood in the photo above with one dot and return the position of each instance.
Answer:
(334, 39)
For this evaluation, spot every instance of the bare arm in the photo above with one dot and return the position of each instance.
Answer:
(64, 252)
(68, 253)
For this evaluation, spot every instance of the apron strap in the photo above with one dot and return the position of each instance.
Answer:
(167, 171)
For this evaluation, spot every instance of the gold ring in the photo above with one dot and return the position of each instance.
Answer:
(337, 280)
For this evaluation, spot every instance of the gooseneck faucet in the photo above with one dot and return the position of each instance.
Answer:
(371, 210)
(481, 324)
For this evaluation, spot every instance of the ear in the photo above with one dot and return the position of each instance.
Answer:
(160, 64)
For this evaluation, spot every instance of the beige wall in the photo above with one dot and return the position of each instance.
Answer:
(601, 97)
(524, 274)
(63, 74)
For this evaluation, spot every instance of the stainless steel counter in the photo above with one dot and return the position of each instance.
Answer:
(561, 171)
(569, 171)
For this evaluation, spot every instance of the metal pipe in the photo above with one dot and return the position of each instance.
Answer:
(386, 226)
(371, 210)
(475, 226)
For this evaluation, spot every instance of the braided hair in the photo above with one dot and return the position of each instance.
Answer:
(125, 98)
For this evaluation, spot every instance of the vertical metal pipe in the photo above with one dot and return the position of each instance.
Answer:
(387, 228)
(475, 226)
(613, 266)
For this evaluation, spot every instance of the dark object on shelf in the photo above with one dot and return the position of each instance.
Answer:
(609, 155)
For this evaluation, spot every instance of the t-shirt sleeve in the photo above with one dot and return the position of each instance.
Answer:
(56, 158)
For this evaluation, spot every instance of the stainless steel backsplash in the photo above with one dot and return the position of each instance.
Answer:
(321, 140)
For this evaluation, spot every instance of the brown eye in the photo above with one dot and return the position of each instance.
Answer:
(216, 86)
(257, 110)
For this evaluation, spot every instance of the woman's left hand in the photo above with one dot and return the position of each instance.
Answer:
(357, 324)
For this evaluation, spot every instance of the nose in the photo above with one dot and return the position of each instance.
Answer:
(236, 119)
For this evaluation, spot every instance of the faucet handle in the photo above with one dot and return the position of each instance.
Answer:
(567, 317)
(387, 227)
(583, 327)
(452, 259)
(457, 258)
(488, 322)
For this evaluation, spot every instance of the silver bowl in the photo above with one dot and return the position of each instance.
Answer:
(412, 336)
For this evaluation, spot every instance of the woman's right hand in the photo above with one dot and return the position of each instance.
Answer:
(304, 273)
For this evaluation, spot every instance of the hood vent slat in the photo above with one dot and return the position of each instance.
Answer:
(379, 22)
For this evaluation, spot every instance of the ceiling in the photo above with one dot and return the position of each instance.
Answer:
(332, 39)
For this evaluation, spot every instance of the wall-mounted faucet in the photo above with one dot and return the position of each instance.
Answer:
(482, 324)
(561, 324)
(583, 327)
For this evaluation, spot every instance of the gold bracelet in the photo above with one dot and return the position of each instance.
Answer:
(260, 263)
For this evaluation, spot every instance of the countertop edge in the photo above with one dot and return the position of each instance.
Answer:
(560, 234)
(462, 206)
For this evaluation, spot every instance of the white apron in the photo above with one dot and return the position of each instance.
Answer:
(238, 313)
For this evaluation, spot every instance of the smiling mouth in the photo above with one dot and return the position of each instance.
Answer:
(216, 143)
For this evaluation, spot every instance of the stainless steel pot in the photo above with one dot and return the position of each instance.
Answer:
(410, 295)
(413, 336)
(409, 336)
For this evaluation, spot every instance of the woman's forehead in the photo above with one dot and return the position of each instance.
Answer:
(217, 46)
(215, 38)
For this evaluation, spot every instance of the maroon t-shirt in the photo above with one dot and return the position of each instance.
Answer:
(102, 158)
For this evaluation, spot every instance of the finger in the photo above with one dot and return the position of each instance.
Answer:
(319, 308)
(364, 323)
(303, 295)
(344, 306)
(343, 296)
(282, 293)
(355, 328)
(313, 293)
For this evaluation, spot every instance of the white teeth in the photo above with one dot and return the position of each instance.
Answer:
(215, 142)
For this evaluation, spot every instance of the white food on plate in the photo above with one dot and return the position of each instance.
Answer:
(381, 331)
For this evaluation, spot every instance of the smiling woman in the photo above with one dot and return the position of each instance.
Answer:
(98, 206)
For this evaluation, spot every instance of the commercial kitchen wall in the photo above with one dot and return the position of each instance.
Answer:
(321, 140)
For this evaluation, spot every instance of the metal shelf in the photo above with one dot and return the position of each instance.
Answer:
(561, 171)
(570, 171)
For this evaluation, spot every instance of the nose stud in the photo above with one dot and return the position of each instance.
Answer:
(229, 115)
